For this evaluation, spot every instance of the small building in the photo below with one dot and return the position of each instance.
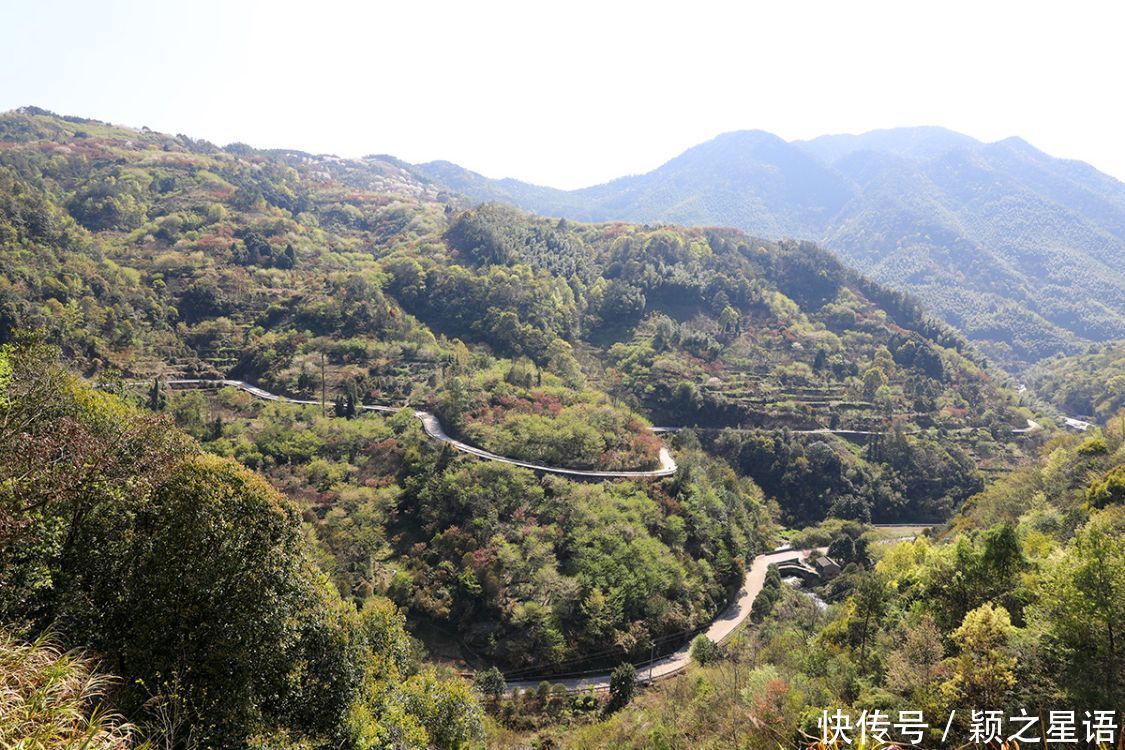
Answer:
(1077, 425)
(826, 567)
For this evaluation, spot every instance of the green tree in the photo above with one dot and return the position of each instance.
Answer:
(874, 378)
(288, 258)
(984, 671)
(157, 399)
(1082, 605)
(213, 561)
(842, 549)
(729, 320)
(491, 683)
(1110, 490)
(446, 709)
(870, 601)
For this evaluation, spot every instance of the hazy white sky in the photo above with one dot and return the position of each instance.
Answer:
(572, 93)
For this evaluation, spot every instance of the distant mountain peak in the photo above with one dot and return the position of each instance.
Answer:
(752, 136)
(1015, 143)
(738, 144)
(917, 142)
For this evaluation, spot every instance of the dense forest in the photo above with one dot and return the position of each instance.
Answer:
(531, 573)
(894, 477)
(237, 572)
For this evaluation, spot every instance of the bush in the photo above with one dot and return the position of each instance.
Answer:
(585, 702)
(1109, 490)
(491, 683)
(1094, 446)
(622, 686)
(705, 651)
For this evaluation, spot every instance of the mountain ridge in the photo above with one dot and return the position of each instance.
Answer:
(1016, 247)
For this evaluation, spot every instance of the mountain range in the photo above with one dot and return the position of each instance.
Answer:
(1022, 251)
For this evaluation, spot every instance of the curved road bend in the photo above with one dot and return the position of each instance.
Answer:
(721, 629)
(433, 428)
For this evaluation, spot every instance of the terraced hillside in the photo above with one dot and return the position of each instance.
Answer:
(153, 255)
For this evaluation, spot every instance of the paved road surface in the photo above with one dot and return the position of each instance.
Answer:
(433, 428)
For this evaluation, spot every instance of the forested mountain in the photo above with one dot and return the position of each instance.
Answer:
(147, 255)
(1020, 251)
(804, 390)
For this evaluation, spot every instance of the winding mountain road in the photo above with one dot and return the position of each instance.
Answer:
(433, 428)
(720, 628)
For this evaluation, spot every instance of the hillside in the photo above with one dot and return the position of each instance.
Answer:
(188, 583)
(1090, 385)
(800, 389)
(150, 255)
(1015, 604)
(1020, 251)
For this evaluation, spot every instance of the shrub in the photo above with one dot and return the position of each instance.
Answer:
(622, 686)
(704, 651)
(491, 683)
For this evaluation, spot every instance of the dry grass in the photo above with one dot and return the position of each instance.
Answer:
(54, 699)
